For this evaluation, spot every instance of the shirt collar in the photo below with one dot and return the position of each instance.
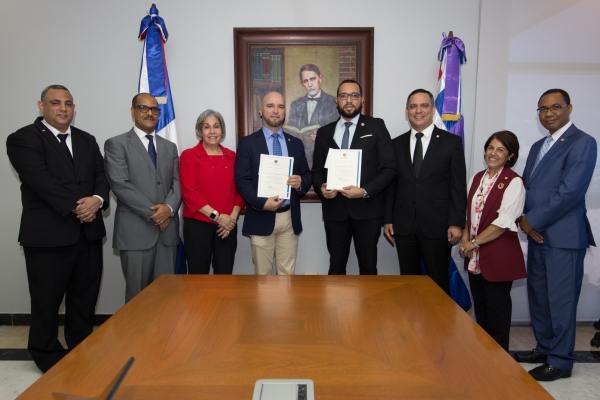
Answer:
(54, 130)
(354, 121)
(556, 135)
(426, 132)
(268, 133)
(141, 133)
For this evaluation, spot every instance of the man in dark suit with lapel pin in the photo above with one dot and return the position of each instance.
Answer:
(273, 224)
(143, 171)
(558, 173)
(63, 189)
(425, 206)
(354, 212)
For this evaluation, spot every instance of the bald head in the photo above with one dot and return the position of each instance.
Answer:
(272, 111)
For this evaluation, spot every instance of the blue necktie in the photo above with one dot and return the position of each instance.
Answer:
(276, 145)
(346, 137)
(151, 149)
(543, 151)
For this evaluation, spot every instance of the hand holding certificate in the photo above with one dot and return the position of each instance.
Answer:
(273, 175)
(343, 168)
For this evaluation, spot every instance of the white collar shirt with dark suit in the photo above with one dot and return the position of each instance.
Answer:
(355, 218)
(53, 179)
(555, 207)
(421, 208)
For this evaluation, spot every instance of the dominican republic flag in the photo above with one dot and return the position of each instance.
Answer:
(154, 79)
(448, 102)
(448, 116)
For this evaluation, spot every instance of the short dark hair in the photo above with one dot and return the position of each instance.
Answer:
(563, 93)
(56, 87)
(349, 81)
(309, 67)
(508, 140)
(134, 100)
(420, 91)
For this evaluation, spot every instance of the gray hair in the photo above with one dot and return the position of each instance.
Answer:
(210, 113)
(57, 87)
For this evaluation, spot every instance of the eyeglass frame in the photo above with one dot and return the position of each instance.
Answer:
(555, 108)
(148, 109)
(351, 95)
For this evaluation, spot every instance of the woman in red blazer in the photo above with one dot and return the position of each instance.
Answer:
(211, 202)
(490, 244)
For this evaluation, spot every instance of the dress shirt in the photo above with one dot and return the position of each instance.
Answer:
(340, 128)
(427, 132)
(142, 135)
(511, 207)
(311, 105)
(556, 135)
(55, 132)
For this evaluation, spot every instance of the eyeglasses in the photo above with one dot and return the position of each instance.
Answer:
(555, 108)
(353, 96)
(144, 109)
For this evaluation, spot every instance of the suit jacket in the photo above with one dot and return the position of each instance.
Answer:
(438, 196)
(500, 260)
(325, 112)
(258, 221)
(52, 182)
(378, 169)
(555, 198)
(138, 185)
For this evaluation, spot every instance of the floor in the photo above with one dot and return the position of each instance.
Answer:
(16, 375)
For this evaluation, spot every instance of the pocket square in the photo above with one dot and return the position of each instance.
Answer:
(365, 136)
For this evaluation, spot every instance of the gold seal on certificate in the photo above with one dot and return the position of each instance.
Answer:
(343, 168)
(273, 174)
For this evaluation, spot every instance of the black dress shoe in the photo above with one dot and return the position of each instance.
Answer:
(532, 356)
(548, 373)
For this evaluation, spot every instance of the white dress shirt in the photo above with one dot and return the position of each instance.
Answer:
(142, 135)
(427, 132)
(340, 128)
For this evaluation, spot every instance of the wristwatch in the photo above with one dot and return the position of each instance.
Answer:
(474, 243)
(365, 195)
(214, 215)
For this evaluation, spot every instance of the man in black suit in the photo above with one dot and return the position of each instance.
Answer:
(63, 189)
(425, 206)
(354, 212)
(317, 107)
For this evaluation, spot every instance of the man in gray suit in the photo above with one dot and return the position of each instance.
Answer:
(143, 172)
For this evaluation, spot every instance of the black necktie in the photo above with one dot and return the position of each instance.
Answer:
(151, 149)
(63, 143)
(418, 156)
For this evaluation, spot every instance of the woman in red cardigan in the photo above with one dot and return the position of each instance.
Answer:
(490, 244)
(211, 202)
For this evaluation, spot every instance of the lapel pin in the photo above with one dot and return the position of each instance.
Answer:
(506, 177)
(501, 186)
(363, 124)
(437, 136)
(562, 139)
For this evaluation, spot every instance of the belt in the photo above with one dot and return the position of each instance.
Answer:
(283, 209)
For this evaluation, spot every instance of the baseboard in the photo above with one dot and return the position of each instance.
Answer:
(25, 319)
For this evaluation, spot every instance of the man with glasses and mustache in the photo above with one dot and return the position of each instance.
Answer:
(558, 173)
(354, 212)
(143, 172)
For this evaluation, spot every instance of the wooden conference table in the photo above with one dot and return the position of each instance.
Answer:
(356, 337)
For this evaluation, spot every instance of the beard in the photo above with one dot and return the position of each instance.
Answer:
(350, 115)
(274, 123)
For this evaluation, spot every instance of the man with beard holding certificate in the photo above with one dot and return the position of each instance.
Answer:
(354, 212)
(273, 224)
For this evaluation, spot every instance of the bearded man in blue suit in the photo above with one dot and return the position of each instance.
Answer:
(558, 173)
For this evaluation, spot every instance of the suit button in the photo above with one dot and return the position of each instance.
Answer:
(527, 187)
(158, 183)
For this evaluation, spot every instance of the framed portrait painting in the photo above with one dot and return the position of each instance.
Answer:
(306, 66)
